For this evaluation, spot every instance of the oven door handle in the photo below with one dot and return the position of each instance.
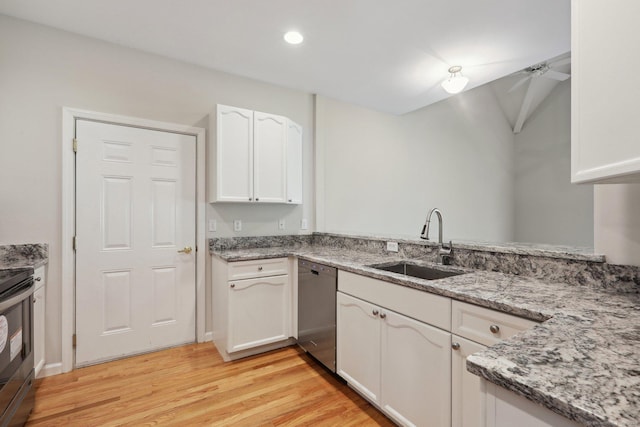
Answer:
(14, 299)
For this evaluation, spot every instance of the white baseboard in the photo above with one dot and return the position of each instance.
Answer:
(50, 369)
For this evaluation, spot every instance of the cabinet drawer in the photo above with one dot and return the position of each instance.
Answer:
(423, 306)
(484, 325)
(258, 268)
(39, 276)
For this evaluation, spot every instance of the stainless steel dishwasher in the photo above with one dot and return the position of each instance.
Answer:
(317, 286)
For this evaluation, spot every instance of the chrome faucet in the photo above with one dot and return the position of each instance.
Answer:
(445, 253)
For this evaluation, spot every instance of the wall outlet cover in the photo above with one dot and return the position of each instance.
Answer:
(213, 226)
(303, 224)
(281, 224)
(237, 225)
(392, 246)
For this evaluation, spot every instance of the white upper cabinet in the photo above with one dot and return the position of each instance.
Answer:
(294, 163)
(604, 91)
(256, 157)
(232, 178)
(269, 149)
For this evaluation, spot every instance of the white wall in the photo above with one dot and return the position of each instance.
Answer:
(382, 173)
(42, 70)
(548, 208)
(617, 222)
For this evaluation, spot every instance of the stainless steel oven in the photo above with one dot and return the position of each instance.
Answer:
(16, 346)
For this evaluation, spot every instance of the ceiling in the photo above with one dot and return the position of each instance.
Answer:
(388, 55)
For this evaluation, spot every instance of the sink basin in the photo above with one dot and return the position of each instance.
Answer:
(419, 271)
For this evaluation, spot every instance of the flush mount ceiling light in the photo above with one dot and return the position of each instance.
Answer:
(293, 37)
(456, 81)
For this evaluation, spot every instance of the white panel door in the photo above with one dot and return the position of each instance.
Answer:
(269, 145)
(135, 210)
(234, 155)
(467, 390)
(294, 163)
(358, 345)
(416, 372)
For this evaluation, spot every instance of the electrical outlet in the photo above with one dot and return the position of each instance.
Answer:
(303, 224)
(281, 224)
(392, 246)
(237, 225)
(213, 226)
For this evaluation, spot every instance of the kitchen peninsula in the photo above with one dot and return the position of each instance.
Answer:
(580, 362)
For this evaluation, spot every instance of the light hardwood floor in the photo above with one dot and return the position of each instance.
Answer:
(192, 386)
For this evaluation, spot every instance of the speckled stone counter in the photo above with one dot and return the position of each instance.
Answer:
(24, 255)
(582, 362)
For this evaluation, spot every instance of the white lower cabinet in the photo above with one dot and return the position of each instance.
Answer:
(252, 306)
(473, 329)
(358, 345)
(416, 371)
(401, 365)
(467, 390)
(259, 312)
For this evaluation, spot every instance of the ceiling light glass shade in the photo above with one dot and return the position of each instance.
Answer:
(456, 81)
(293, 37)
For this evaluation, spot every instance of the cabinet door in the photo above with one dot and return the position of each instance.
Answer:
(294, 163)
(38, 329)
(604, 135)
(416, 372)
(259, 312)
(269, 145)
(358, 345)
(467, 390)
(234, 155)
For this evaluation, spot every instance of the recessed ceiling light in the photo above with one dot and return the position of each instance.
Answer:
(293, 37)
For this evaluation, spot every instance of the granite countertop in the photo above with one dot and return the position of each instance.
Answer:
(24, 255)
(582, 362)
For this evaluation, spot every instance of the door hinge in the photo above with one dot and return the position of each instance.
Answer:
(75, 145)
(73, 339)
(75, 243)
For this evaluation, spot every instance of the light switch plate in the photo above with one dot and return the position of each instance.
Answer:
(392, 246)
(237, 225)
(303, 224)
(213, 226)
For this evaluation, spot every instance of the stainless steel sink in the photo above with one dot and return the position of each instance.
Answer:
(419, 271)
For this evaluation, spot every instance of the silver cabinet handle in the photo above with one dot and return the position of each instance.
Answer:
(494, 329)
(233, 285)
(375, 312)
(383, 315)
(455, 345)
(257, 200)
(186, 250)
(290, 200)
(250, 199)
(260, 268)
(38, 279)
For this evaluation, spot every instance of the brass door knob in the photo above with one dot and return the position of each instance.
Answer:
(186, 250)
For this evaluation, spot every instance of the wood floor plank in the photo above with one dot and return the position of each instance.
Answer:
(192, 386)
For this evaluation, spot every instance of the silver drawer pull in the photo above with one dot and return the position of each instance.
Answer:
(375, 312)
(383, 315)
(233, 285)
(260, 268)
(37, 279)
(455, 345)
(494, 329)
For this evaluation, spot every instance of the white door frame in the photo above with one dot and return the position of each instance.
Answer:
(68, 312)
